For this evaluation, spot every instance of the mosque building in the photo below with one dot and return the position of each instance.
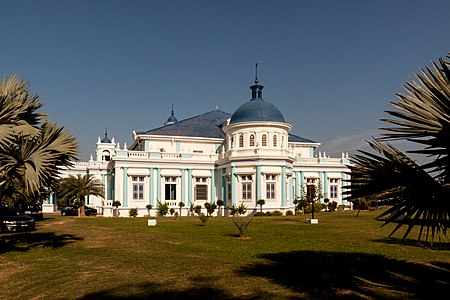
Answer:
(238, 158)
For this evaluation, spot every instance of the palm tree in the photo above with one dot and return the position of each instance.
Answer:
(79, 187)
(419, 192)
(31, 151)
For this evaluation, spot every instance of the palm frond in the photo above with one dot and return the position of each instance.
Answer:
(423, 116)
(418, 198)
(17, 109)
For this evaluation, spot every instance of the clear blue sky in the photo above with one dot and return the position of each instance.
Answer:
(331, 67)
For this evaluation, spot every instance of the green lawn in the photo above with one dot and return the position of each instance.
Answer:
(284, 257)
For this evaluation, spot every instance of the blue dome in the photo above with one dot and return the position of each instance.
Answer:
(257, 110)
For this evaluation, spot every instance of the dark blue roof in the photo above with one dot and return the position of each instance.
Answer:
(207, 125)
(297, 139)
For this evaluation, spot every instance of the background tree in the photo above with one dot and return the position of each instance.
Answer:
(32, 150)
(149, 208)
(181, 205)
(261, 202)
(419, 192)
(220, 203)
(313, 194)
(116, 204)
(78, 187)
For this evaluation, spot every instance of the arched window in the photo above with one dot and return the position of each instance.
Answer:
(105, 155)
(274, 140)
(241, 141)
(264, 140)
(252, 140)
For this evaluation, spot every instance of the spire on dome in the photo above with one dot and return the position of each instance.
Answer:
(256, 88)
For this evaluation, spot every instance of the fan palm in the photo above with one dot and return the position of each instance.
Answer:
(31, 150)
(17, 110)
(420, 193)
(80, 186)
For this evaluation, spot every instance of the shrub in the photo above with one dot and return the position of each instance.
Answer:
(277, 213)
(133, 212)
(289, 213)
(332, 206)
(210, 208)
(163, 209)
(239, 210)
(360, 204)
(197, 209)
(298, 212)
(172, 211)
(268, 213)
(259, 214)
(220, 203)
(317, 208)
(203, 218)
(176, 215)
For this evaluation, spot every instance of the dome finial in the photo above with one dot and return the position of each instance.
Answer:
(256, 88)
(172, 110)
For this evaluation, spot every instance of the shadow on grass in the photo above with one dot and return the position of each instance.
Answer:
(414, 243)
(22, 242)
(351, 275)
(203, 289)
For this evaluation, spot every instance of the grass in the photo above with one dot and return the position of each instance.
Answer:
(282, 258)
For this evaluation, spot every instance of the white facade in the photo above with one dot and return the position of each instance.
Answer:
(241, 161)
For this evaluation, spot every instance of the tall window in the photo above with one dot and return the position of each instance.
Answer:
(170, 188)
(270, 187)
(252, 140)
(246, 188)
(201, 188)
(264, 140)
(274, 140)
(334, 188)
(241, 141)
(138, 187)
